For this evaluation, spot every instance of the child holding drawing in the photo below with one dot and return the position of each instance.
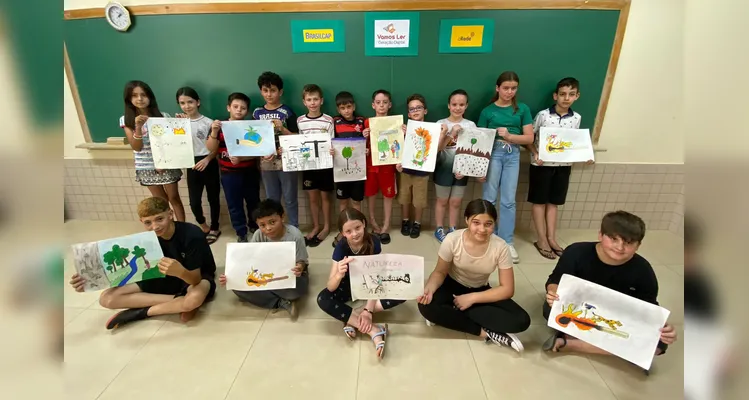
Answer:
(317, 183)
(458, 296)
(358, 242)
(205, 172)
(140, 104)
(269, 217)
(450, 187)
(514, 126)
(548, 180)
(348, 125)
(277, 182)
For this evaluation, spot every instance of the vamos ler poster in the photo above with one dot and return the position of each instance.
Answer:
(392, 34)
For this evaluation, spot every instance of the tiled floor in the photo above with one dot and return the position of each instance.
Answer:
(234, 351)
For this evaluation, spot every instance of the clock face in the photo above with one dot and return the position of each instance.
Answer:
(117, 16)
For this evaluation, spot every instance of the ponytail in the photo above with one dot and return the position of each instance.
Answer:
(507, 76)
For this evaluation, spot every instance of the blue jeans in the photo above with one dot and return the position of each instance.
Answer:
(241, 188)
(502, 179)
(278, 183)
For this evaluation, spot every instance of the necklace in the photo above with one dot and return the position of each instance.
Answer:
(355, 251)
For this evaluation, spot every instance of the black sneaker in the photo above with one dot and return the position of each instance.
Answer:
(242, 239)
(504, 339)
(290, 307)
(405, 227)
(127, 316)
(415, 230)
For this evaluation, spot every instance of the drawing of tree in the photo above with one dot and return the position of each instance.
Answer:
(141, 252)
(121, 254)
(347, 152)
(473, 142)
(383, 147)
(110, 259)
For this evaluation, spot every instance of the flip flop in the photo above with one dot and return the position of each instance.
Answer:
(558, 252)
(548, 254)
(552, 340)
(212, 237)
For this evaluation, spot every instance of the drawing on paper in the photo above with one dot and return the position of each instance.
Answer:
(305, 152)
(349, 162)
(571, 315)
(565, 145)
(421, 143)
(260, 266)
(248, 138)
(473, 152)
(386, 138)
(171, 142)
(119, 261)
(387, 276)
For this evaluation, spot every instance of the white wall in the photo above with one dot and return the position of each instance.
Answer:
(644, 119)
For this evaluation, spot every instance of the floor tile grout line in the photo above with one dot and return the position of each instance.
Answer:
(131, 359)
(475, 364)
(246, 356)
(601, 376)
(358, 370)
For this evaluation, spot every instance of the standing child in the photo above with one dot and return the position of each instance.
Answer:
(348, 125)
(380, 178)
(140, 104)
(548, 180)
(317, 183)
(353, 225)
(239, 175)
(269, 217)
(450, 187)
(205, 172)
(514, 126)
(412, 180)
(276, 181)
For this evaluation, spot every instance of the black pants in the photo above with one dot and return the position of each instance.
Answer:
(503, 316)
(210, 180)
(334, 303)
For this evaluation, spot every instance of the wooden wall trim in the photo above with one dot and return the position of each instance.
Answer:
(333, 6)
(74, 93)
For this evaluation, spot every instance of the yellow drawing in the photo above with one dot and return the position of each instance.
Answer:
(255, 278)
(390, 28)
(556, 145)
(157, 130)
(179, 131)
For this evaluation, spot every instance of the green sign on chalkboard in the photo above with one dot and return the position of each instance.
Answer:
(318, 36)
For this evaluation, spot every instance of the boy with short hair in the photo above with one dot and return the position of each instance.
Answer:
(269, 217)
(188, 265)
(611, 262)
(239, 175)
(276, 181)
(348, 125)
(380, 178)
(317, 183)
(414, 185)
(548, 180)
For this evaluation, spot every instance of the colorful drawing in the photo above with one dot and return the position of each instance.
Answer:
(473, 152)
(385, 140)
(249, 138)
(306, 152)
(420, 151)
(260, 266)
(119, 261)
(565, 145)
(171, 142)
(349, 161)
(387, 276)
(622, 325)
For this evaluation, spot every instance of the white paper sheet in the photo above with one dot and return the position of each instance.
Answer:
(422, 142)
(171, 142)
(350, 160)
(565, 145)
(260, 266)
(249, 138)
(387, 276)
(386, 139)
(622, 325)
(306, 152)
(474, 152)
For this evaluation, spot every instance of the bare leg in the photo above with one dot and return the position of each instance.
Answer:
(172, 190)
(551, 226)
(353, 320)
(187, 304)
(325, 197)
(388, 214)
(538, 213)
(356, 205)
(578, 346)
(158, 191)
(418, 212)
(454, 211)
(405, 210)
(371, 206)
(343, 204)
(130, 296)
(439, 212)
(314, 210)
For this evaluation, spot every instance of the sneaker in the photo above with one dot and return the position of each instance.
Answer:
(242, 239)
(439, 234)
(290, 307)
(127, 316)
(451, 230)
(504, 339)
(514, 254)
(405, 227)
(415, 230)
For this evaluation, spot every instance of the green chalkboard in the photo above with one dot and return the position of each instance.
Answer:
(220, 53)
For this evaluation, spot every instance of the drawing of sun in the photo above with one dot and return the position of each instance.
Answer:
(179, 131)
(157, 130)
(251, 138)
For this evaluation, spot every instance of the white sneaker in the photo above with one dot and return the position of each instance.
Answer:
(514, 254)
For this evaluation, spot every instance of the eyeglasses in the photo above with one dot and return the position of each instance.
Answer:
(415, 109)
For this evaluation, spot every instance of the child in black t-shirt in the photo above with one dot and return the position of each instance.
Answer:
(611, 262)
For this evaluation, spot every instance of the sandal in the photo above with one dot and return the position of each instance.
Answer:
(380, 347)
(548, 254)
(350, 332)
(558, 252)
(552, 341)
(212, 236)
(314, 242)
